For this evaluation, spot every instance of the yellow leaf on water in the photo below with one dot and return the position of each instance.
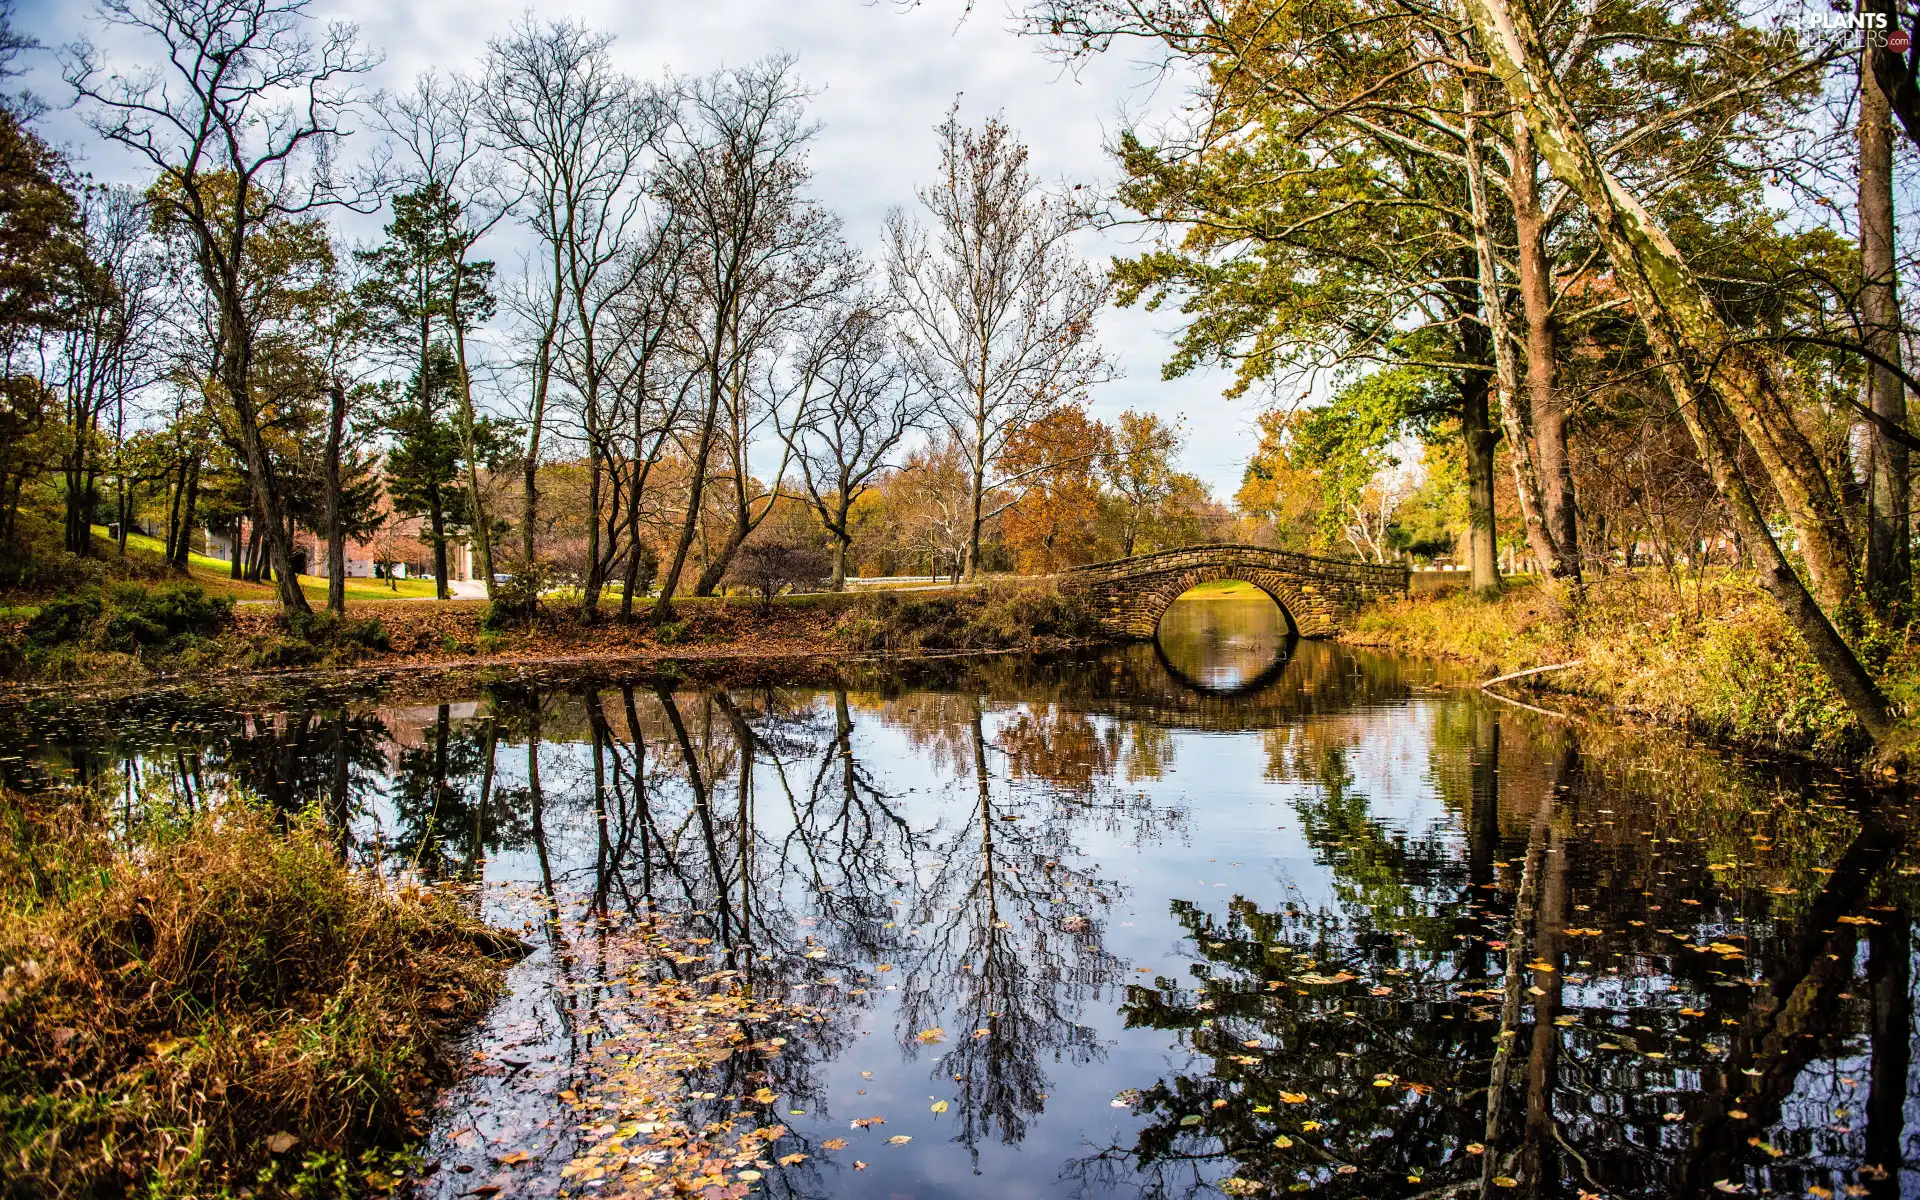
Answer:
(834, 1144)
(939, 1106)
(1293, 1097)
(931, 1036)
(899, 1139)
(764, 1096)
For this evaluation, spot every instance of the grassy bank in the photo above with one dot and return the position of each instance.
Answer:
(214, 1006)
(130, 634)
(1718, 660)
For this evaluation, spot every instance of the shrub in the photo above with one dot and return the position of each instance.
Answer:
(767, 568)
(330, 629)
(131, 617)
(172, 1005)
(64, 621)
(516, 599)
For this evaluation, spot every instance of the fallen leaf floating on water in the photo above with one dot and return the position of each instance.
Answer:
(669, 1032)
(834, 1144)
(939, 1106)
(929, 1037)
(899, 1139)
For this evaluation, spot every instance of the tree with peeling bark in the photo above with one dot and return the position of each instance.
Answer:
(998, 308)
(242, 123)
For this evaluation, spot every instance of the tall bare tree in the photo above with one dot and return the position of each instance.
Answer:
(763, 254)
(998, 307)
(576, 129)
(243, 121)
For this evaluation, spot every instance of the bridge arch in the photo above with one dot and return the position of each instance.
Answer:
(1314, 593)
(1165, 589)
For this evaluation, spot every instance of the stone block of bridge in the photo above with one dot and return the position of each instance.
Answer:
(1314, 593)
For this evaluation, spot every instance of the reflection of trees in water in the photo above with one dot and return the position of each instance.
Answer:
(1498, 1004)
(762, 817)
(1013, 952)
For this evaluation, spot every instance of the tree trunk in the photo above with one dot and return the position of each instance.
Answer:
(1499, 336)
(1684, 329)
(478, 519)
(1889, 557)
(690, 527)
(590, 591)
(335, 518)
(182, 560)
(1476, 432)
(971, 568)
(841, 544)
(253, 446)
(439, 528)
(1559, 515)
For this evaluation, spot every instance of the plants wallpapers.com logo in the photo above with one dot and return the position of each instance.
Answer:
(1875, 28)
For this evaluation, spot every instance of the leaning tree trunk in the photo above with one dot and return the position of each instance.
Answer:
(690, 526)
(182, 559)
(1737, 401)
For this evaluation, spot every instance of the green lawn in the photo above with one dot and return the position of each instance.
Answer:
(214, 575)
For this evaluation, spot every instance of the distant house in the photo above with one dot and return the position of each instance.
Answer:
(397, 545)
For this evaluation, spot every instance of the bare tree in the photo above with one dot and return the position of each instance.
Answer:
(576, 129)
(763, 255)
(864, 405)
(113, 348)
(999, 309)
(242, 121)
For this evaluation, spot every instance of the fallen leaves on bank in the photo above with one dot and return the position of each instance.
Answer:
(639, 1137)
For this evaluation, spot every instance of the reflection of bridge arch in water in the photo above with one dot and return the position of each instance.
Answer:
(1248, 687)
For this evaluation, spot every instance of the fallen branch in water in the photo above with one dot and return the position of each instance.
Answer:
(1487, 686)
(1531, 671)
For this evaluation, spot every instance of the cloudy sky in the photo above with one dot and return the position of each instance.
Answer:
(885, 75)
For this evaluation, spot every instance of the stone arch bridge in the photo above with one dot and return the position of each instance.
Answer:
(1314, 593)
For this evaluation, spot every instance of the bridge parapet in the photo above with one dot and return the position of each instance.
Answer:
(1315, 593)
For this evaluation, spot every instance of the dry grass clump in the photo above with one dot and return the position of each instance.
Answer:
(214, 1007)
(1715, 658)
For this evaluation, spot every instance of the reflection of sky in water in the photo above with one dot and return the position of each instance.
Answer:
(1406, 826)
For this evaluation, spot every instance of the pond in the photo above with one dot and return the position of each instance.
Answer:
(1133, 922)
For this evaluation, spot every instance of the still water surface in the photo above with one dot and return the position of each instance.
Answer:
(1330, 924)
